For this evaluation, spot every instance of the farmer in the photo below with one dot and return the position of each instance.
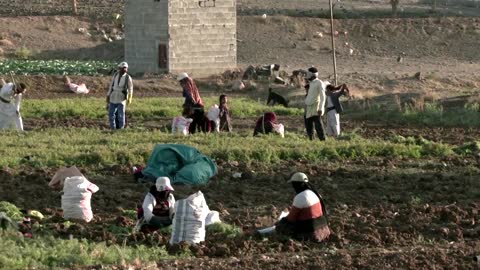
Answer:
(158, 206)
(224, 114)
(267, 124)
(307, 216)
(315, 103)
(334, 108)
(193, 103)
(10, 99)
(119, 95)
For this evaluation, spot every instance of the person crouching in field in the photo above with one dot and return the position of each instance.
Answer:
(307, 216)
(334, 108)
(267, 124)
(158, 207)
(10, 99)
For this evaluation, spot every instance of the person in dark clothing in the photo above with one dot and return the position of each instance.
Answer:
(267, 124)
(158, 207)
(193, 103)
(334, 108)
(224, 114)
(307, 216)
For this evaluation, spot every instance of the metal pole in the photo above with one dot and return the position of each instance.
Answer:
(74, 7)
(333, 43)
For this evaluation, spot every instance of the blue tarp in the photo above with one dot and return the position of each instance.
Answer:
(181, 163)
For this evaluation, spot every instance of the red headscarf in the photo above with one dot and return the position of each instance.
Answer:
(267, 117)
(192, 89)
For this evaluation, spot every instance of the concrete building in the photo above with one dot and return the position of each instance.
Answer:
(194, 36)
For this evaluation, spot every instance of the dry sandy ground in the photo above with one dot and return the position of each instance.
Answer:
(444, 50)
(385, 213)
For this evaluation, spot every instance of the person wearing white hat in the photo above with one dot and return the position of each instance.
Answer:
(119, 95)
(315, 103)
(10, 99)
(307, 216)
(158, 206)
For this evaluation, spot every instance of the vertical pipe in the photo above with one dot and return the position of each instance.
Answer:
(333, 43)
(74, 7)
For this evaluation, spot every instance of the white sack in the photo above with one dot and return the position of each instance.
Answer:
(77, 193)
(189, 220)
(180, 125)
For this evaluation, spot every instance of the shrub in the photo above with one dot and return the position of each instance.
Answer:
(23, 53)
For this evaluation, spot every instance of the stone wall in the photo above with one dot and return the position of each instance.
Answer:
(90, 8)
(146, 27)
(202, 36)
(199, 37)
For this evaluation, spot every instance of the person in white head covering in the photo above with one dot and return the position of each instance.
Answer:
(10, 99)
(158, 205)
(119, 95)
(315, 104)
(307, 216)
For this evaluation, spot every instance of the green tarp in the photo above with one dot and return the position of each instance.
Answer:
(181, 163)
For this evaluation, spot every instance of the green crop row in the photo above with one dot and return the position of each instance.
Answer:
(144, 108)
(97, 149)
(55, 67)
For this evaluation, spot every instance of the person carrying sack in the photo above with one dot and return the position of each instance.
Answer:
(119, 95)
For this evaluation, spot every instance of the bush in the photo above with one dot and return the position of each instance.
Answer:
(23, 53)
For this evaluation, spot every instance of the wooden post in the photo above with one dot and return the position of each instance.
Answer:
(74, 7)
(333, 43)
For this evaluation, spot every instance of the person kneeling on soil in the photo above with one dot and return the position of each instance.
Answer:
(158, 207)
(307, 216)
(267, 124)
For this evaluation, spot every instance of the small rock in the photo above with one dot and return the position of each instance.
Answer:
(6, 43)
(238, 85)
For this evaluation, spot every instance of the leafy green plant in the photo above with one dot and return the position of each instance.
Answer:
(52, 67)
(11, 211)
(47, 252)
(225, 229)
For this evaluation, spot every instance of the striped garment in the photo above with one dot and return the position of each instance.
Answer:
(306, 218)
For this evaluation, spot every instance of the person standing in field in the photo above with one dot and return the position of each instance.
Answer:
(334, 108)
(224, 114)
(193, 103)
(10, 99)
(315, 103)
(119, 96)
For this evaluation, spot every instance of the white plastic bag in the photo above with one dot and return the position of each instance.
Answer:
(189, 220)
(280, 129)
(78, 88)
(213, 114)
(77, 193)
(180, 125)
(212, 217)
